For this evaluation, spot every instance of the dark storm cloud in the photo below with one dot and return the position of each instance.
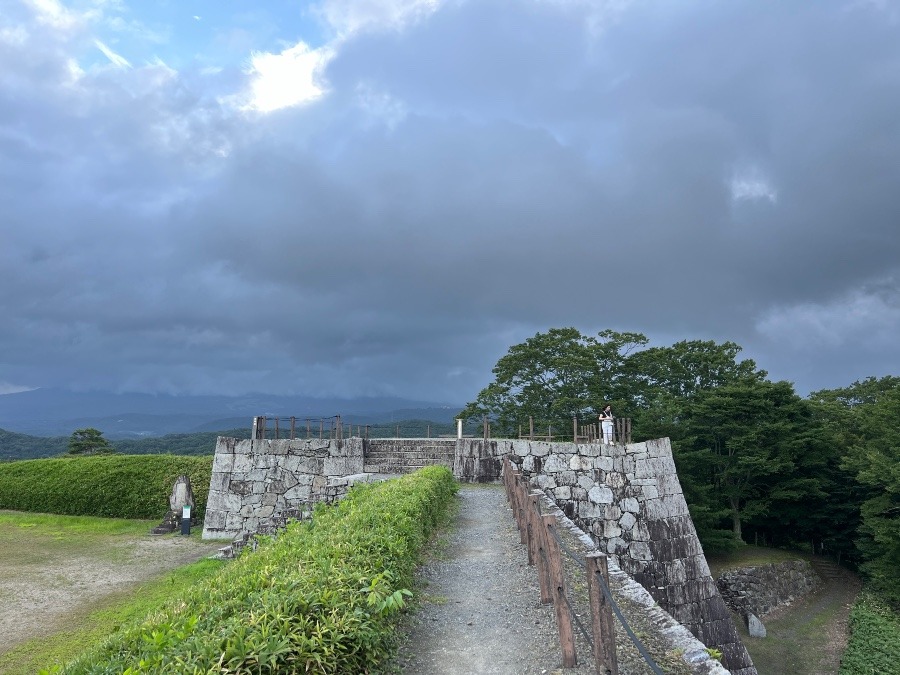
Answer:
(720, 171)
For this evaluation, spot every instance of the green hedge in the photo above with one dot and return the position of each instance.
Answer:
(320, 598)
(874, 645)
(110, 486)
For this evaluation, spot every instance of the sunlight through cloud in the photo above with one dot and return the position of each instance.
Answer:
(287, 79)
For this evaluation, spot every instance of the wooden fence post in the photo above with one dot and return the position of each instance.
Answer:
(259, 428)
(533, 508)
(542, 556)
(558, 588)
(601, 615)
(506, 471)
(520, 506)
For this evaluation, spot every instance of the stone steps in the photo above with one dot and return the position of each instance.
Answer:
(827, 569)
(410, 456)
(403, 460)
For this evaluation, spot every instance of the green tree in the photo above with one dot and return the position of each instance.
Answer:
(866, 415)
(667, 377)
(89, 441)
(555, 375)
(745, 437)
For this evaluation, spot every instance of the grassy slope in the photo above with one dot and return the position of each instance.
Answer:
(806, 638)
(29, 540)
(750, 556)
(109, 486)
(320, 597)
(89, 626)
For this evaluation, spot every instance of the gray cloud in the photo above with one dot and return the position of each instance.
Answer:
(486, 172)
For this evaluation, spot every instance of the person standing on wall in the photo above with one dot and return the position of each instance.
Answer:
(606, 425)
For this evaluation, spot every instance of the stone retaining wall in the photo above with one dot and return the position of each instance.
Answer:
(629, 499)
(626, 497)
(759, 590)
(254, 481)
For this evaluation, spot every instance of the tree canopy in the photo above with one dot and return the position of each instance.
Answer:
(756, 461)
(89, 441)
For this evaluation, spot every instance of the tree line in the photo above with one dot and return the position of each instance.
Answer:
(757, 462)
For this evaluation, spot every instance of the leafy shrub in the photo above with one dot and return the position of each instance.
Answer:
(874, 645)
(321, 597)
(110, 486)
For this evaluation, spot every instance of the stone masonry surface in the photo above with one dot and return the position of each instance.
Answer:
(758, 590)
(629, 500)
(255, 481)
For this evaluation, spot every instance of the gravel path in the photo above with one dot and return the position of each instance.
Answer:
(480, 610)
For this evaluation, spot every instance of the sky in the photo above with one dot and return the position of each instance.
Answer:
(380, 197)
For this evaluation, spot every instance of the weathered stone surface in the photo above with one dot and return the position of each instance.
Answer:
(755, 627)
(555, 463)
(758, 590)
(242, 464)
(639, 550)
(585, 481)
(223, 462)
(563, 493)
(600, 494)
(631, 505)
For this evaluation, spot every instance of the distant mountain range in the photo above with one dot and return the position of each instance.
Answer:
(58, 412)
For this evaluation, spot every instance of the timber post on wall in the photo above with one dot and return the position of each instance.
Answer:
(623, 429)
(259, 428)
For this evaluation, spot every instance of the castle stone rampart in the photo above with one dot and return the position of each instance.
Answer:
(626, 497)
(629, 499)
(255, 481)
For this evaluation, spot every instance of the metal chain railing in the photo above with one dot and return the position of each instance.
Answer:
(578, 623)
(618, 612)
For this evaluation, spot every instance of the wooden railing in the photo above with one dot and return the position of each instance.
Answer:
(296, 427)
(593, 433)
(581, 433)
(539, 534)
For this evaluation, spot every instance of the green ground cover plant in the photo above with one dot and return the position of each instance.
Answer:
(109, 486)
(874, 645)
(321, 597)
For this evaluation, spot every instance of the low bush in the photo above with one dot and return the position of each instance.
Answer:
(110, 486)
(874, 645)
(319, 598)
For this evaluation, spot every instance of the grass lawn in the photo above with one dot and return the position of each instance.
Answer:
(49, 559)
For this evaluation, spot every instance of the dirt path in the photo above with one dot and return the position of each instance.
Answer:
(809, 636)
(481, 613)
(42, 584)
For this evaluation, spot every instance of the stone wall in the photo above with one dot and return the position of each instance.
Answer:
(626, 497)
(758, 590)
(255, 481)
(629, 499)
(479, 461)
